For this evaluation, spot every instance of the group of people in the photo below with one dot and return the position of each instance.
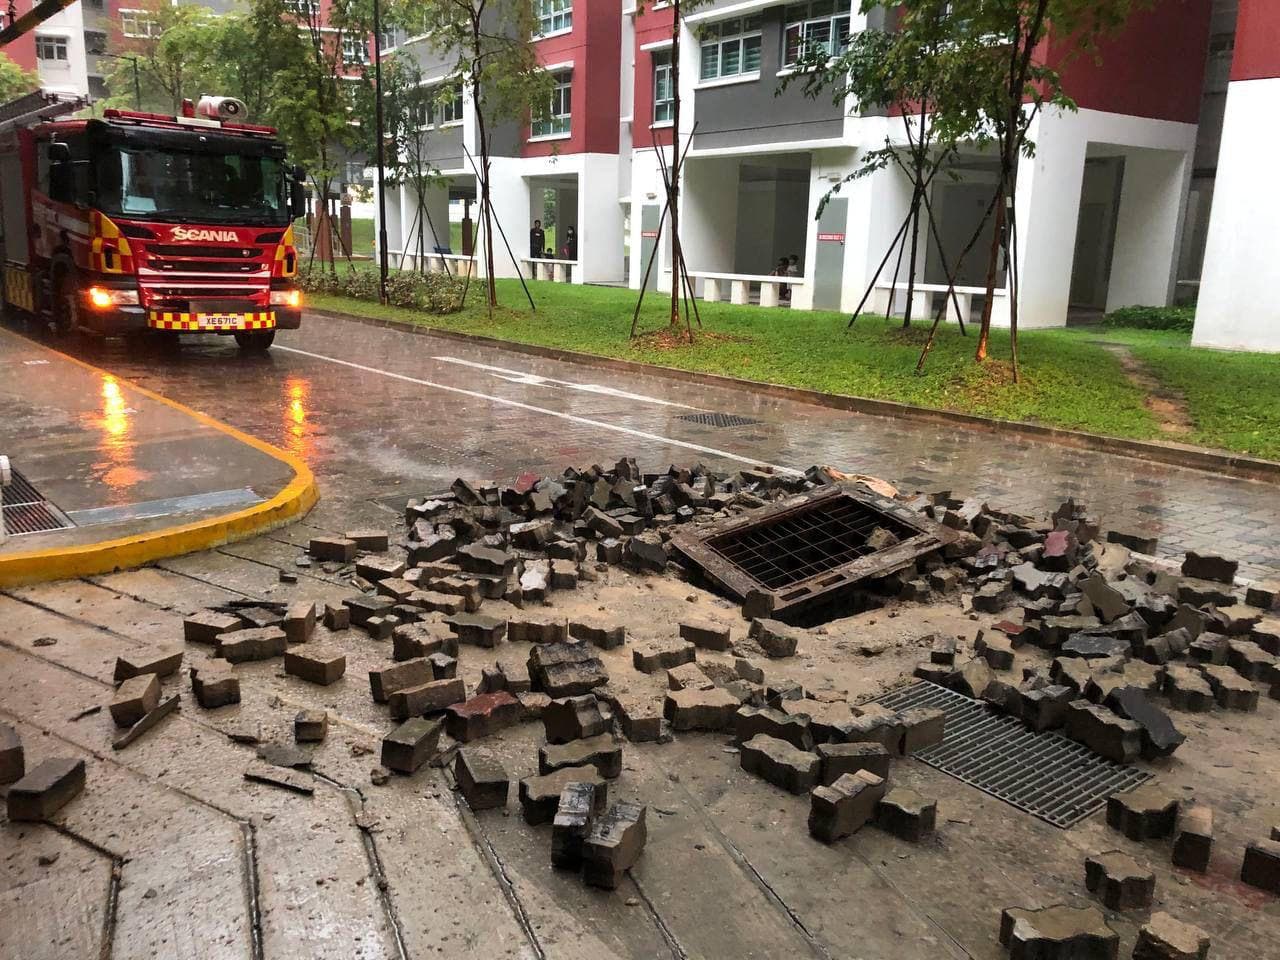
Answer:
(787, 267)
(538, 243)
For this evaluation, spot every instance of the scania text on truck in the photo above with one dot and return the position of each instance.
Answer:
(139, 222)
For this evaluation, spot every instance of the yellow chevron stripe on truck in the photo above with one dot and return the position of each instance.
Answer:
(165, 320)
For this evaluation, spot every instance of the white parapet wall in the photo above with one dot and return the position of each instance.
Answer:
(1239, 303)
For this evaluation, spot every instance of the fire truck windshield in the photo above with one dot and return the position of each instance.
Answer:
(179, 186)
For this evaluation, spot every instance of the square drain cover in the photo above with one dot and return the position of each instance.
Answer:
(27, 511)
(1045, 774)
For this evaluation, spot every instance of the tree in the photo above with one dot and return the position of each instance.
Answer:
(176, 52)
(921, 69)
(14, 81)
(491, 43)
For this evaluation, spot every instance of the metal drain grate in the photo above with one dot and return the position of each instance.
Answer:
(27, 511)
(718, 419)
(1045, 774)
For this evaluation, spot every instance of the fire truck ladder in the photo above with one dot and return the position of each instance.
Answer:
(36, 106)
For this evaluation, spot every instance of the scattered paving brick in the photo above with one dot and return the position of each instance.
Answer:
(299, 622)
(208, 625)
(688, 675)
(540, 796)
(1193, 841)
(410, 673)
(826, 719)
(1188, 690)
(780, 763)
(1058, 933)
(564, 575)
(361, 609)
(907, 814)
(573, 718)
(871, 728)
(705, 634)
(565, 669)
(662, 655)
(537, 630)
(640, 716)
(645, 553)
(135, 698)
(1160, 738)
(1093, 647)
(996, 650)
(971, 678)
(943, 651)
(477, 629)
(1209, 648)
(317, 666)
(1230, 690)
(1209, 567)
(377, 568)
(1251, 661)
(45, 790)
(746, 670)
(214, 686)
(371, 541)
(1103, 732)
(410, 745)
(922, 727)
(162, 663)
(435, 602)
(1044, 708)
(275, 776)
(775, 638)
(1134, 541)
(841, 758)
(575, 811)
(468, 591)
(1147, 812)
(12, 757)
(750, 721)
(310, 726)
(1261, 866)
(700, 709)
(613, 845)
(482, 780)
(412, 641)
(396, 588)
(532, 704)
(606, 638)
(443, 666)
(425, 698)
(844, 807)
(339, 549)
(482, 715)
(1165, 938)
(1119, 881)
(337, 616)
(601, 751)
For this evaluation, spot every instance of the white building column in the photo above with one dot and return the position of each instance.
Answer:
(1153, 195)
(600, 221)
(1239, 303)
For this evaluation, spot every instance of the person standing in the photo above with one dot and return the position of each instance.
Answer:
(537, 240)
(571, 244)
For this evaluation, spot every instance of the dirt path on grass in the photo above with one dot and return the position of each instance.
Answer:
(1166, 404)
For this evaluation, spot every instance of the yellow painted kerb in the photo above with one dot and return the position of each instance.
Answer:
(83, 560)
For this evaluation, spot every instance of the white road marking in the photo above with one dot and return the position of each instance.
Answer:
(533, 379)
(643, 434)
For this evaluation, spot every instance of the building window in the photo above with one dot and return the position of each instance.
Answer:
(451, 107)
(554, 16)
(355, 49)
(51, 48)
(306, 9)
(95, 43)
(663, 93)
(136, 23)
(731, 48)
(556, 122)
(390, 38)
(821, 26)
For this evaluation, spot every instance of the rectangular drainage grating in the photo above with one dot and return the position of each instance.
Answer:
(794, 557)
(1045, 774)
(27, 511)
(718, 419)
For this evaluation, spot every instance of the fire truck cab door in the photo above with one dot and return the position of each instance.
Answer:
(14, 243)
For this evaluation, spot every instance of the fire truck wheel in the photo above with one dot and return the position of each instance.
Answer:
(255, 340)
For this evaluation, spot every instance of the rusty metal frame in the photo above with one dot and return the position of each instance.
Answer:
(785, 602)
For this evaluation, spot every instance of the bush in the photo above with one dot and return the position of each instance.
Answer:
(1152, 318)
(433, 292)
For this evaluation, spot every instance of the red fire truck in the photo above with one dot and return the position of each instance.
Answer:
(138, 222)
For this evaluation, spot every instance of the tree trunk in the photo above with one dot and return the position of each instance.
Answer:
(677, 262)
(993, 264)
(911, 264)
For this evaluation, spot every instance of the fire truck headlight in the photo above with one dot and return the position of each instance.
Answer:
(104, 298)
(286, 298)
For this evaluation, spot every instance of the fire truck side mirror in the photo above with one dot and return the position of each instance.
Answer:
(297, 200)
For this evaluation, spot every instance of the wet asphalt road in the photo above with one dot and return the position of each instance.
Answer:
(380, 415)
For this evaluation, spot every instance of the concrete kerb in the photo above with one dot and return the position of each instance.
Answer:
(108, 556)
(1174, 454)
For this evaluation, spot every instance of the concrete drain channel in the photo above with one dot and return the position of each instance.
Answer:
(27, 511)
(1045, 774)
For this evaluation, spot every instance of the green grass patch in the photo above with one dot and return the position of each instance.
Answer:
(1066, 381)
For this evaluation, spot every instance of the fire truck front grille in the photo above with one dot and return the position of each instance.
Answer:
(219, 253)
(204, 266)
(165, 297)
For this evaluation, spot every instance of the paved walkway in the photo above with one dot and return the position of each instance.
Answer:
(115, 461)
(382, 414)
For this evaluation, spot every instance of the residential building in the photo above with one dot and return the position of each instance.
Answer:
(1157, 172)
(66, 51)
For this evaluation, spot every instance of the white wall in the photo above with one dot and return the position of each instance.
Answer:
(1238, 306)
(599, 221)
(1148, 228)
(709, 214)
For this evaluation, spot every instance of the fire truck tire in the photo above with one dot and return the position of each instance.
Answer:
(253, 341)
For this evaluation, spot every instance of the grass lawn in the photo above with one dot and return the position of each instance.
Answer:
(362, 237)
(1067, 380)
